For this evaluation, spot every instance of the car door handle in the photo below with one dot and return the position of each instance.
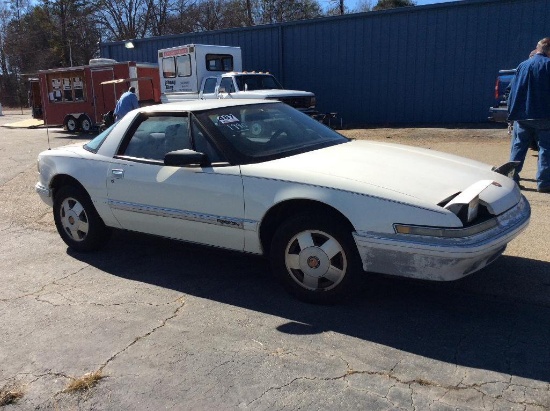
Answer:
(117, 173)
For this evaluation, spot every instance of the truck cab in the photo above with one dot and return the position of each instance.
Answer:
(258, 86)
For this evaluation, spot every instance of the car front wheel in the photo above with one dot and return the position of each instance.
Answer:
(77, 221)
(315, 258)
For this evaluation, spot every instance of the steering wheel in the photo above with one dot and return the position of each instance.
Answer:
(279, 134)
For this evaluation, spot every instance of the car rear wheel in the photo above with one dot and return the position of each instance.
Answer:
(77, 221)
(315, 258)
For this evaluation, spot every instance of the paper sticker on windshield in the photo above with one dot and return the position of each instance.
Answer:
(228, 119)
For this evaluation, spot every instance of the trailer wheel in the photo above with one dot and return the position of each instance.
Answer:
(71, 124)
(85, 123)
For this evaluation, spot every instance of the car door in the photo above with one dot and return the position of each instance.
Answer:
(208, 88)
(202, 204)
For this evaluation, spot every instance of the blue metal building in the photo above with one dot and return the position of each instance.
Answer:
(423, 64)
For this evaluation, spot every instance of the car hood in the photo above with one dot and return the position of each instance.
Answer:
(397, 172)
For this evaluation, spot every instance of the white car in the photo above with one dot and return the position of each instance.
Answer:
(260, 177)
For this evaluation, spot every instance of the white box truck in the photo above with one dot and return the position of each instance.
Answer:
(200, 71)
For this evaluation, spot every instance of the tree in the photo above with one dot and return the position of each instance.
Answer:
(73, 31)
(156, 17)
(391, 4)
(123, 19)
(363, 6)
(278, 11)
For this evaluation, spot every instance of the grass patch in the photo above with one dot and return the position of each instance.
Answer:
(10, 395)
(86, 382)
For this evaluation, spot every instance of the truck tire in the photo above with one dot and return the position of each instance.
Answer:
(85, 124)
(71, 124)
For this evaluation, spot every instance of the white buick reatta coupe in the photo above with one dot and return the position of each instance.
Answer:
(260, 177)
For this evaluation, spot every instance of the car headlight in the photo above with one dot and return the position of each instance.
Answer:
(467, 212)
(445, 232)
(313, 102)
(507, 169)
(466, 204)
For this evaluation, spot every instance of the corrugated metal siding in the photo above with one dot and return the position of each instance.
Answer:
(423, 64)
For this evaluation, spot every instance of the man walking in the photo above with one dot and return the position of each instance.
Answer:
(529, 108)
(126, 103)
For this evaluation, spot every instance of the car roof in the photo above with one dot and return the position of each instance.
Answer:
(195, 105)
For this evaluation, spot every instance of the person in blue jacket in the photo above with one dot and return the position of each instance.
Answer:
(126, 103)
(529, 108)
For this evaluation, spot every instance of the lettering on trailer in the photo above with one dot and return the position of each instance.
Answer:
(169, 85)
(176, 52)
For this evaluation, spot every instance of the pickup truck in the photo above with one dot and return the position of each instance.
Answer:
(499, 110)
(256, 85)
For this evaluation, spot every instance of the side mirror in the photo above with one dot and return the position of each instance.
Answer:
(180, 158)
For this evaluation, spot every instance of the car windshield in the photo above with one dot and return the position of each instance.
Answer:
(260, 132)
(249, 82)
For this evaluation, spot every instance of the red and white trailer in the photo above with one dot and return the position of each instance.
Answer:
(78, 97)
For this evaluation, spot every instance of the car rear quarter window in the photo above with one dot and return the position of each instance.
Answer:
(94, 144)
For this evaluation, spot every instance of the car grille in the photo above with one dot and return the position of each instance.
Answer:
(297, 102)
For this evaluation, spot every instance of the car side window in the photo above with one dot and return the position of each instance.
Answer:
(227, 84)
(210, 85)
(157, 135)
(203, 145)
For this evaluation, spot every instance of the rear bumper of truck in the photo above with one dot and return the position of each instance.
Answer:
(498, 114)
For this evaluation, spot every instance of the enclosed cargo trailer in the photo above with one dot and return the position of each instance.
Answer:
(78, 97)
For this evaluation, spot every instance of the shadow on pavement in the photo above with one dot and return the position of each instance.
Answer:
(497, 319)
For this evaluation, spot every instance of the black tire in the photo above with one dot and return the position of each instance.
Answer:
(306, 270)
(71, 124)
(85, 124)
(77, 220)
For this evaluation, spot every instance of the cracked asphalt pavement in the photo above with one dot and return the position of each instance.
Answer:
(175, 326)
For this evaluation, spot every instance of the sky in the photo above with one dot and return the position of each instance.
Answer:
(421, 2)
(351, 3)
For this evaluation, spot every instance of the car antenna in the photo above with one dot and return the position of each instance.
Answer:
(47, 129)
(48, 134)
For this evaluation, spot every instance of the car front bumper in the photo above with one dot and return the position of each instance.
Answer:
(438, 258)
(45, 193)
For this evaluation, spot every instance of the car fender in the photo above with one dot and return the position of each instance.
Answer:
(365, 212)
(63, 163)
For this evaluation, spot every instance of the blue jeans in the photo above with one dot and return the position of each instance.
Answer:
(524, 131)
